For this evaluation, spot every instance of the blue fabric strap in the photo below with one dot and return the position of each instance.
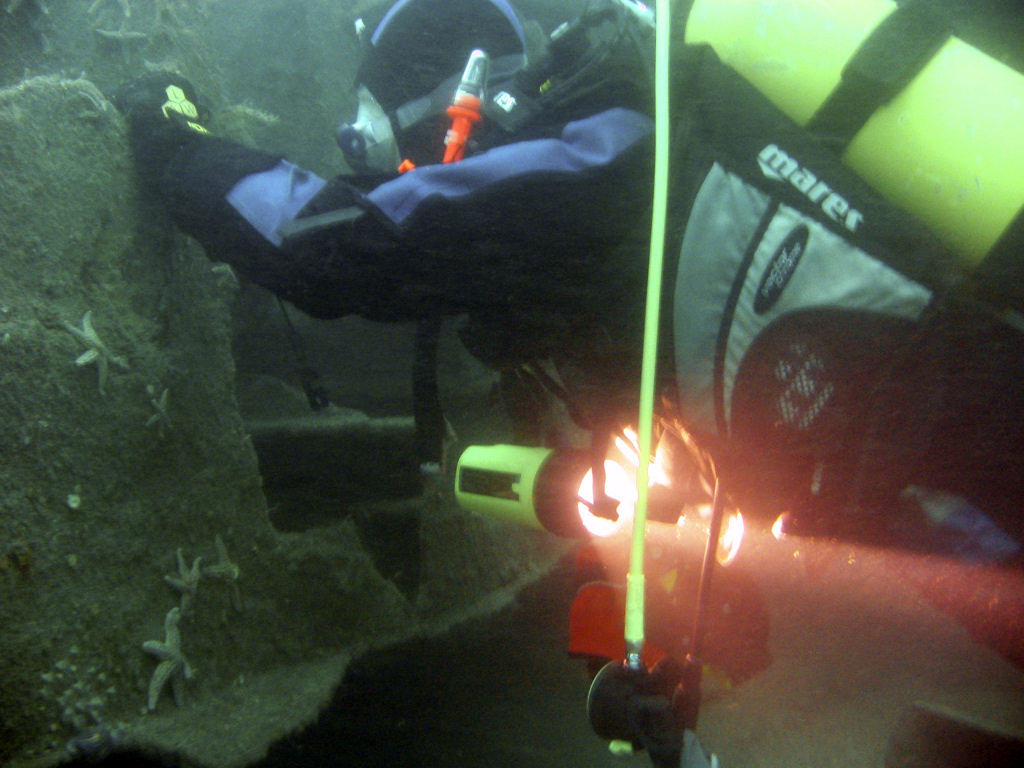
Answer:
(272, 198)
(593, 142)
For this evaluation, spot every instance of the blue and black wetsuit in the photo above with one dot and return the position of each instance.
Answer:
(524, 228)
(815, 335)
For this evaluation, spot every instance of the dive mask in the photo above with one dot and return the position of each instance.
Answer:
(369, 143)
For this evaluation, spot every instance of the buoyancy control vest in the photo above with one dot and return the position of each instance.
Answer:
(798, 298)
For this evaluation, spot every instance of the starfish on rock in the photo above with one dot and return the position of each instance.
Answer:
(97, 351)
(186, 582)
(172, 663)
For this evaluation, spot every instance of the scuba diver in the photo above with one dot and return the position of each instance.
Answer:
(506, 236)
(829, 353)
(822, 346)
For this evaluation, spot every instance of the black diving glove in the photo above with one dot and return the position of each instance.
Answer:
(164, 116)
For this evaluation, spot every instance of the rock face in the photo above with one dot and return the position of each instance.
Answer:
(129, 485)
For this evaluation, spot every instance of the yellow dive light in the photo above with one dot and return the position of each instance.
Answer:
(946, 145)
(549, 489)
(534, 487)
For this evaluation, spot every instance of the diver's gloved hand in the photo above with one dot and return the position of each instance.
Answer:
(160, 97)
(164, 115)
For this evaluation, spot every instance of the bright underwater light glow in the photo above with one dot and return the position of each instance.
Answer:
(619, 485)
(731, 539)
(628, 445)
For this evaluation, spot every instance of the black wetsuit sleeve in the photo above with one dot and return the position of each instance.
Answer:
(526, 224)
(192, 174)
(529, 224)
(194, 186)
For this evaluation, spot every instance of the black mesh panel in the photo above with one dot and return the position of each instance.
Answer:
(808, 395)
(806, 386)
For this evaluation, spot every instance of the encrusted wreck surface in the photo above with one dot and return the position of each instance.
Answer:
(135, 539)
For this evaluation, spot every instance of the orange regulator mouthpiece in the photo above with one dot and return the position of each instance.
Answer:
(465, 107)
(465, 113)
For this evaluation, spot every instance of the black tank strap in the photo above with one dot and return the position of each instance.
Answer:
(428, 416)
(1000, 277)
(891, 56)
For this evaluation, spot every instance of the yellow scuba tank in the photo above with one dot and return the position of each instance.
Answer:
(932, 123)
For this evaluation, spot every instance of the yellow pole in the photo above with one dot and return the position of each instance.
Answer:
(635, 577)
